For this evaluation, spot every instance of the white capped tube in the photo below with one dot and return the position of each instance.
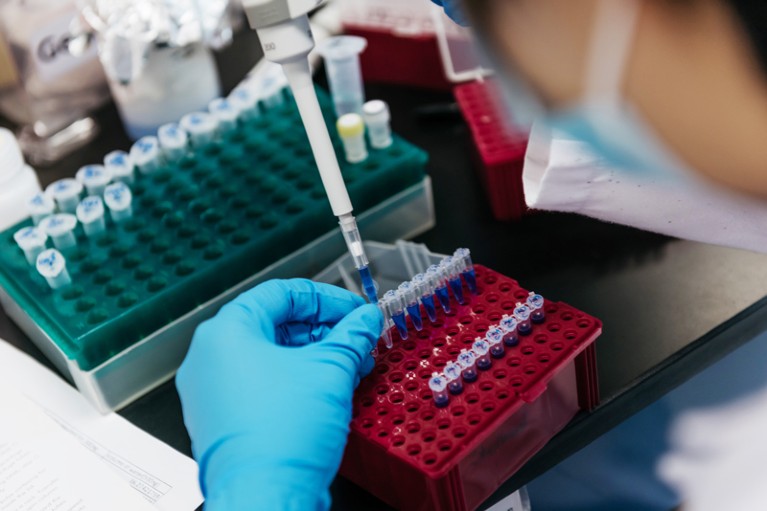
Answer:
(201, 127)
(351, 129)
(52, 265)
(145, 154)
(119, 200)
(31, 240)
(66, 192)
(94, 177)
(244, 102)
(173, 141)
(90, 213)
(61, 228)
(120, 165)
(377, 119)
(342, 63)
(40, 206)
(225, 113)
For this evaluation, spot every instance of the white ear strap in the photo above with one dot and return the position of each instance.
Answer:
(613, 34)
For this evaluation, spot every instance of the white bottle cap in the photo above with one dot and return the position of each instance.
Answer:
(30, 237)
(56, 225)
(40, 206)
(66, 192)
(94, 177)
(90, 209)
(11, 160)
(201, 127)
(118, 197)
(120, 165)
(145, 153)
(173, 140)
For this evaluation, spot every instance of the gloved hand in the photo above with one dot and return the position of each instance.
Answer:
(453, 10)
(266, 390)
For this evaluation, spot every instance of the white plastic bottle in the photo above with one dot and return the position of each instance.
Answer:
(18, 182)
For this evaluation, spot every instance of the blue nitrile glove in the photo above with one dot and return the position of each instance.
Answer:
(453, 10)
(267, 388)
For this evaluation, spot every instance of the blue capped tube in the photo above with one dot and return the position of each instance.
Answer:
(383, 306)
(31, 240)
(523, 312)
(536, 303)
(173, 141)
(120, 165)
(394, 304)
(90, 213)
(201, 127)
(494, 337)
(438, 387)
(467, 268)
(119, 200)
(145, 154)
(439, 283)
(452, 272)
(95, 178)
(61, 229)
(468, 362)
(52, 265)
(452, 373)
(40, 206)
(408, 293)
(481, 349)
(245, 102)
(66, 192)
(225, 113)
(426, 293)
(509, 326)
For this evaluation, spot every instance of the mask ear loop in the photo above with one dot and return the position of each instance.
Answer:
(615, 26)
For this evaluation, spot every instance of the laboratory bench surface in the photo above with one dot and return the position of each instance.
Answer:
(670, 308)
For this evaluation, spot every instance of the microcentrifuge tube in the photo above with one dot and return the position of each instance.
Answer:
(377, 117)
(245, 102)
(468, 362)
(522, 312)
(120, 165)
(383, 306)
(40, 206)
(396, 308)
(452, 271)
(536, 302)
(95, 178)
(66, 192)
(201, 127)
(481, 349)
(509, 326)
(31, 240)
(494, 337)
(351, 129)
(119, 200)
(438, 387)
(408, 293)
(469, 275)
(342, 64)
(439, 282)
(61, 229)
(225, 113)
(173, 141)
(145, 154)
(426, 294)
(90, 213)
(452, 372)
(52, 265)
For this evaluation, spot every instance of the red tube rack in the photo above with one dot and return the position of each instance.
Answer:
(500, 150)
(417, 457)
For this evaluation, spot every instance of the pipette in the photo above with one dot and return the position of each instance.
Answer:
(286, 38)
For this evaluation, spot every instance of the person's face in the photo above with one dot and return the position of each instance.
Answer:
(690, 71)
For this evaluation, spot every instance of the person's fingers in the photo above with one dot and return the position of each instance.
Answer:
(300, 334)
(273, 303)
(352, 339)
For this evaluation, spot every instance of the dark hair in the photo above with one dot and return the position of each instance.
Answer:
(753, 15)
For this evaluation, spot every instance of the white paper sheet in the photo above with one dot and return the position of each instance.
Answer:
(153, 470)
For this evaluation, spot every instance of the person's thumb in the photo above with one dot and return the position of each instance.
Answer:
(352, 339)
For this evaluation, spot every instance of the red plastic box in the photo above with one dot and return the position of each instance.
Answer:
(500, 148)
(415, 456)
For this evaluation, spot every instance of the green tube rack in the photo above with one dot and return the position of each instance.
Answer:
(200, 228)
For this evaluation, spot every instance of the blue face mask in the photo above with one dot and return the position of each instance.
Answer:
(603, 118)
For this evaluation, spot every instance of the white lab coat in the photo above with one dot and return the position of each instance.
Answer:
(714, 453)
